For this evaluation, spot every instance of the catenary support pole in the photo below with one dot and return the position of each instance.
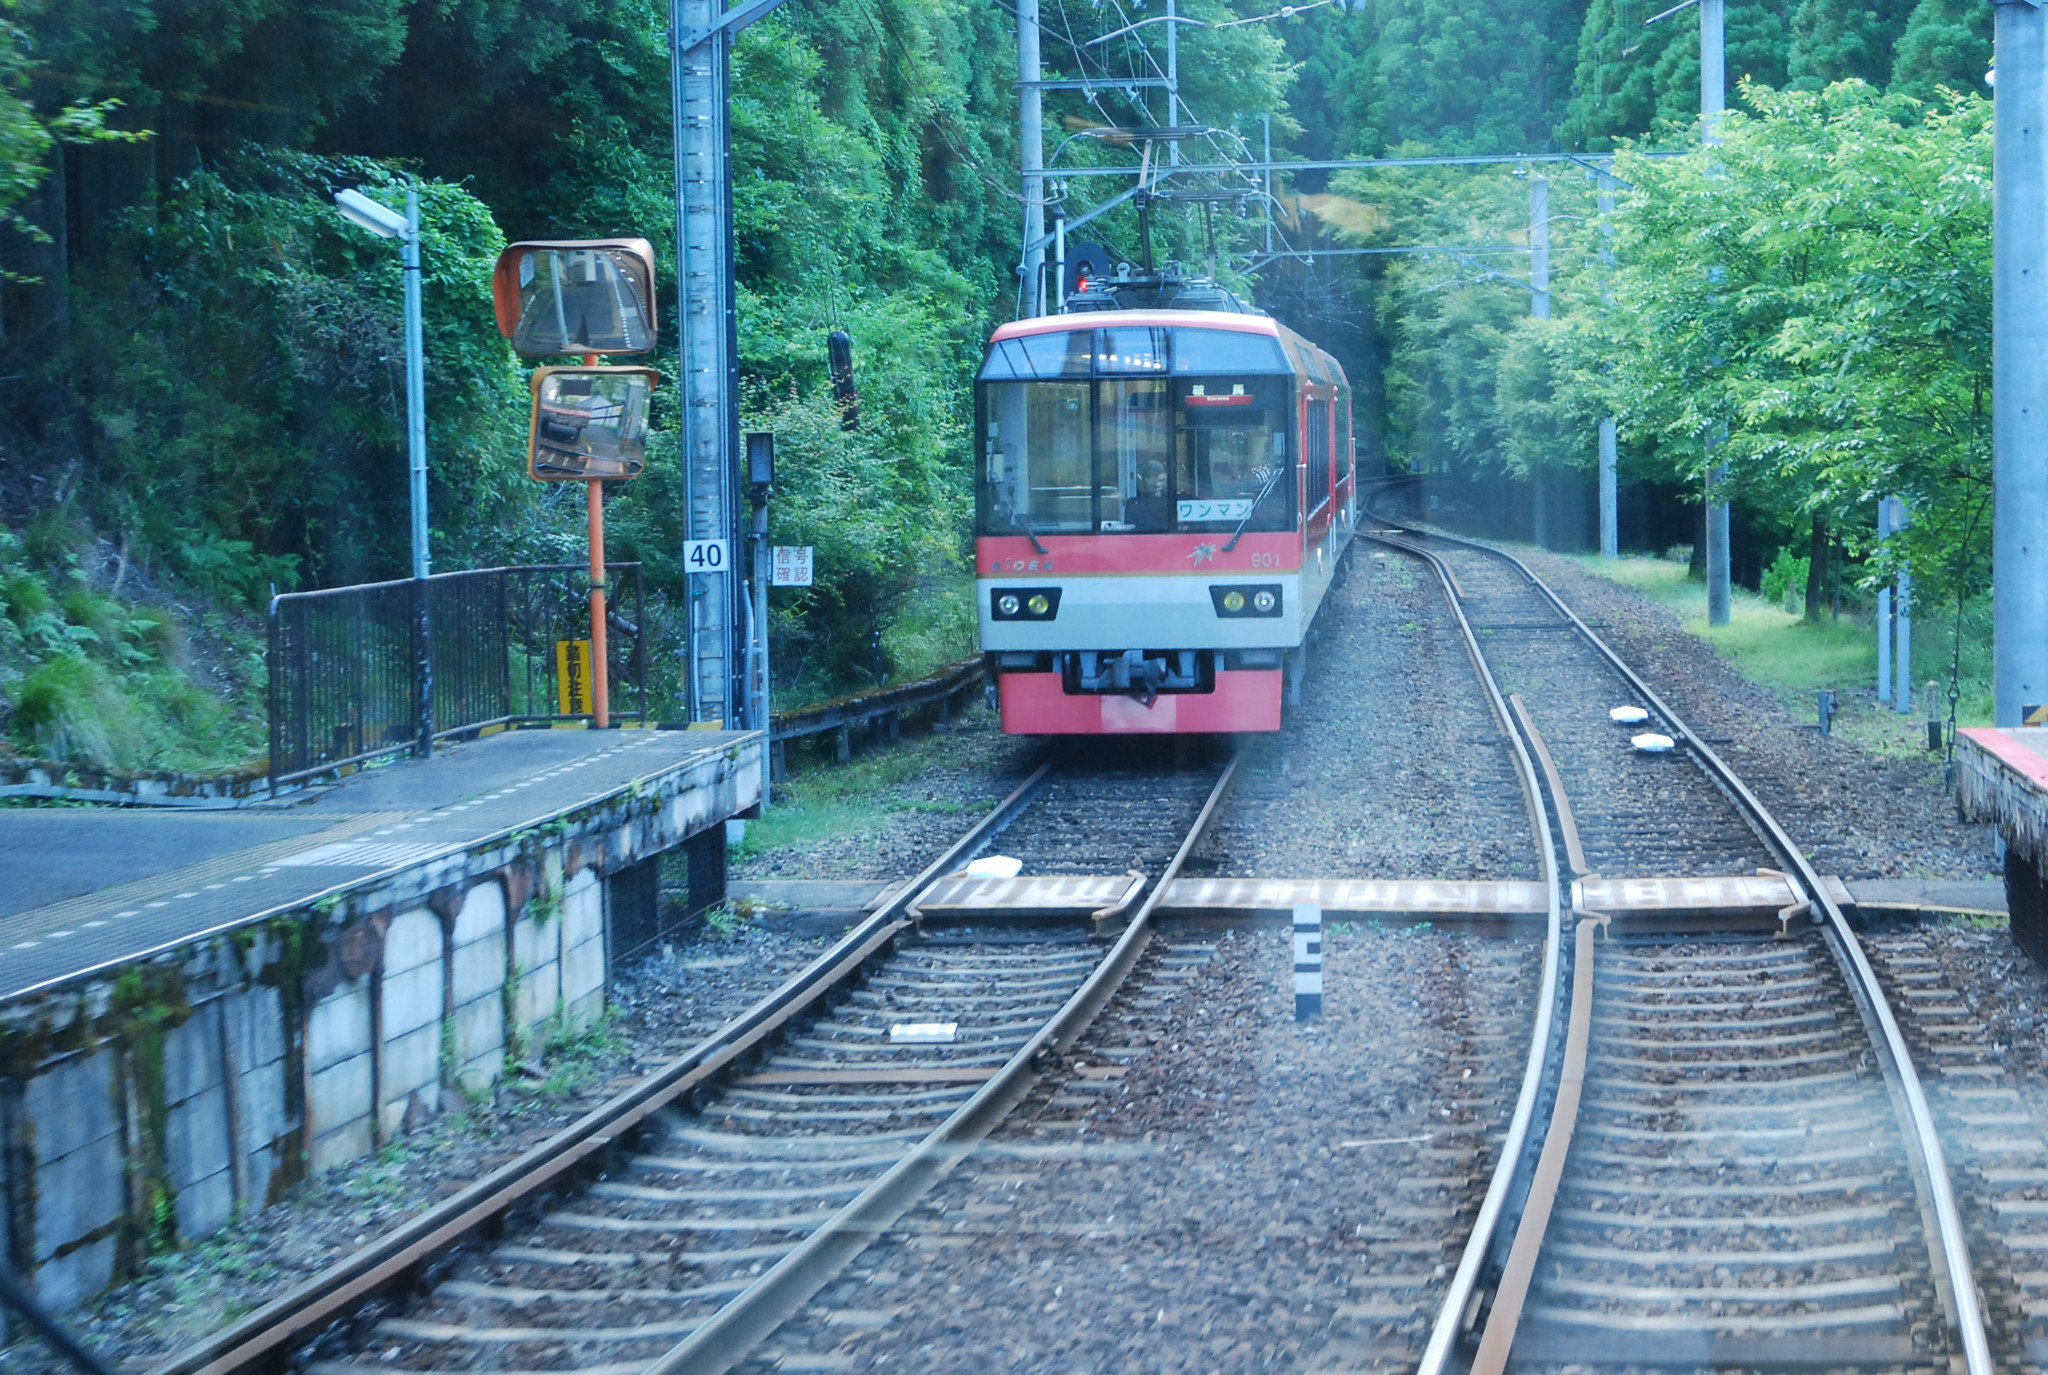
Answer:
(707, 323)
(2019, 361)
(1902, 613)
(1717, 540)
(1713, 100)
(1267, 121)
(1173, 77)
(1031, 151)
(1610, 488)
(1884, 608)
(1539, 306)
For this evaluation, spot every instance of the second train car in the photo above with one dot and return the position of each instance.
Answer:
(1163, 495)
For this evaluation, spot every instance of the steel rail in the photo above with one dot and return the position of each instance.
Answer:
(1950, 1248)
(1520, 1270)
(263, 1341)
(1450, 1320)
(1567, 823)
(729, 1335)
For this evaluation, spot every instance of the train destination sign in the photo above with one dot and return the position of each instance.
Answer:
(589, 423)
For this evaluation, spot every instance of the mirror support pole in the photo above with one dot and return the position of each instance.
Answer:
(600, 659)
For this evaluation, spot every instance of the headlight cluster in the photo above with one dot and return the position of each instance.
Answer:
(1241, 601)
(1024, 603)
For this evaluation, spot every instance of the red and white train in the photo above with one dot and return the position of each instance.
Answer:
(1162, 498)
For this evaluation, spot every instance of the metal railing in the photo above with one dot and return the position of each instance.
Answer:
(361, 672)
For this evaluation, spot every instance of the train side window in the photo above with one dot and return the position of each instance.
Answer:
(1317, 453)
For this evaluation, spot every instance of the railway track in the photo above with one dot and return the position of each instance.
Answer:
(675, 1226)
(1741, 1169)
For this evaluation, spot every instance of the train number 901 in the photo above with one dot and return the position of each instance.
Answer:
(1265, 560)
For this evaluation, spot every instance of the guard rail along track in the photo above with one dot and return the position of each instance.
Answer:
(1741, 1165)
(678, 1224)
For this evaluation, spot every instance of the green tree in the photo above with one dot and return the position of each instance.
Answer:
(1946, 43)
(1633, 81)
(1836, 40)
(1457, 78)
(1818, 288)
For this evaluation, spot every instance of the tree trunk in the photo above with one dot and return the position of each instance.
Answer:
(1816, 569)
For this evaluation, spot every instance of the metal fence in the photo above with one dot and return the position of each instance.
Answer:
(360, 672)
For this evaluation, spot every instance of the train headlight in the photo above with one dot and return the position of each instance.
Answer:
(1025, 603)
(1258, 599)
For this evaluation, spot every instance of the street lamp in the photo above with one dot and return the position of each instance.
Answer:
(386, 223)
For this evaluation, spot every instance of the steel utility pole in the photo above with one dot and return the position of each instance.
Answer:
(1884, 608)
(1031, 153)
(1713, 100)
(1267, 122)
(700, 34)
(1173, 78)
(1610, 490)
(2019, 362)
(1539, 306)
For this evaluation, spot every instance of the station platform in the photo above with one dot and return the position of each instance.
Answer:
(2002, 778)
(90, 889)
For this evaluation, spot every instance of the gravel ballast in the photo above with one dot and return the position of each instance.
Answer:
(1857, 813)
(1205, 1185)
(1392, 766)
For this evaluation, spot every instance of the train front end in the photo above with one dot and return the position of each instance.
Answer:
(1140, 554)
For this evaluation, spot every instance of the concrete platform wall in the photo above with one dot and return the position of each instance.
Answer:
(144, 1112)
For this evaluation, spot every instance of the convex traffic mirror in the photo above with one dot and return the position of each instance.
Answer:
(589, 423)
(576, 296)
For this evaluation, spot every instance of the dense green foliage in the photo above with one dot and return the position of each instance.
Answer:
(1818, 290)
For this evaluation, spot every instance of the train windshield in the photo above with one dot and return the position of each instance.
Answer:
(1136, 455)
(1116, 431)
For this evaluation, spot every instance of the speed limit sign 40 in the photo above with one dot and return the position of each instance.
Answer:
(706, 556)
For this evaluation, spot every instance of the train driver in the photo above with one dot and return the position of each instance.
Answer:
(1149, 511)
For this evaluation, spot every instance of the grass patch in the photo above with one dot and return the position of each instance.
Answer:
(1778, 649)
(857, 798)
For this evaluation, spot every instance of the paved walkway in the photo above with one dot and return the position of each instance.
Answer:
(85, 889)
